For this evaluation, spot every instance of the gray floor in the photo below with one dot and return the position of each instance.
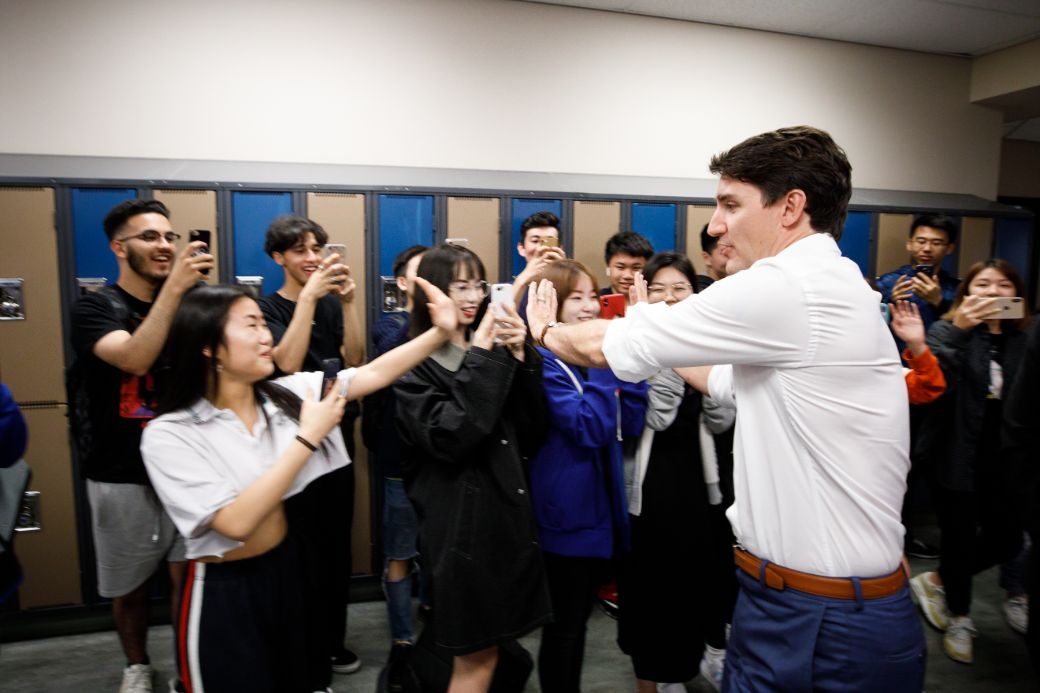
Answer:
(91, 662)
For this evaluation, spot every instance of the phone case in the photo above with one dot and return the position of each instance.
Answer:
(612, 306)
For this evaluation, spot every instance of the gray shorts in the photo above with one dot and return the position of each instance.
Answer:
(132, 535)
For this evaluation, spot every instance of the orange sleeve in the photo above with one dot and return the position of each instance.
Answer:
(925, 381)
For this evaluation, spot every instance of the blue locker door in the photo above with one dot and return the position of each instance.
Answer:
(656, 222)
(1012, 244)
(404, 221)
(523, 208)
(855, 240)
(251, 214)
(94, 258)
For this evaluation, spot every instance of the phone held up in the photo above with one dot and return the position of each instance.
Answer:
(551, 241)
(205, 236)
(330, 369)
(612, 306)
(1010, 308)
(338, 249)
(501, 294)
(924, 269)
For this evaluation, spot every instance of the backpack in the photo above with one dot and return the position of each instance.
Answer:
(76, 393)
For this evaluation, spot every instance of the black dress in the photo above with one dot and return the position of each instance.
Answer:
(466, 429)
(662, 583)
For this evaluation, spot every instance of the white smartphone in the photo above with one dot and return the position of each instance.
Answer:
(501, 294)
(464, 242)
(339, 249)
(1011, 308)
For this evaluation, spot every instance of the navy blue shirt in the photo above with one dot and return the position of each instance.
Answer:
(948, 285)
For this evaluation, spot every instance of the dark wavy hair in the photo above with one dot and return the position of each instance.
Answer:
(668, 259)
(1005, 268)
(441, 266)
(802, 158)
(198, 325)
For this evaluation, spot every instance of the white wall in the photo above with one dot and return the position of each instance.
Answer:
(485, 84)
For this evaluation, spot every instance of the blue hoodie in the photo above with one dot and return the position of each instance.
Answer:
(577, 478)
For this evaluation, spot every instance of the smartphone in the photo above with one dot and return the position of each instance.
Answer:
(1011, 308)
(501, 294)
(464, 242)
(612, 306)
(330, 369)
(924, 269)
(393, 297)
(200, 235)
(338, 249)
(551, 241)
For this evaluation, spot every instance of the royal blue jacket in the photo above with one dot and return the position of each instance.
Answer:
(577, 478)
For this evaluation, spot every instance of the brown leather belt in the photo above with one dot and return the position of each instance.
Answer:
(779, 578)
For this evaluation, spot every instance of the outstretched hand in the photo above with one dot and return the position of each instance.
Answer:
(541, 306)
(443, 313)
(908, 325)
(638, 293)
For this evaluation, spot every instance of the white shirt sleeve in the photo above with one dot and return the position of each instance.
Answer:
(187, 483)
(299, 383)
(755, 317)
(720, 386)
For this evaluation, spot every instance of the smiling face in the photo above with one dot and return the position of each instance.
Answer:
(301, 260)
(621, 270)
(669, 285)
(246, 354)
(468, 293)
(991, 282)
(151, 261)
(582, 303)
(533, 240)
(742, 222)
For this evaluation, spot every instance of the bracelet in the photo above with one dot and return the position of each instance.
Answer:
(307, 444)
(541, 338)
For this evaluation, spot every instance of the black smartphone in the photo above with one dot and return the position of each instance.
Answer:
(924, 269)
(203, 235)
(330, 369)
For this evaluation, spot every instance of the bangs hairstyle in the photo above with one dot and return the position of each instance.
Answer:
(289, 230)
(199, 324)
(441, 266)
(802, 158)
(565, 275)
(677, 260)
(1005, 268)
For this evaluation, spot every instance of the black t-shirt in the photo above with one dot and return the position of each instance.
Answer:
(120, 403)
(326, 340)
(326, 330)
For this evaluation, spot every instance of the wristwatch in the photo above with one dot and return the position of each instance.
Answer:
(541, 338)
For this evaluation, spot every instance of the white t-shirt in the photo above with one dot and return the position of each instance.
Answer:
(201, 458)
(822, 435)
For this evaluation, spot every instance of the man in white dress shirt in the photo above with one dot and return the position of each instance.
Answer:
(821, 444)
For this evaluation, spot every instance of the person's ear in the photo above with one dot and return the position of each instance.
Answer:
(279, 258)
(402, 283)
(950, 248)
(793, 207)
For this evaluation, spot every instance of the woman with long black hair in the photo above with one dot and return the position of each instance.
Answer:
(228, 447)
(468, 417)
(979, 355)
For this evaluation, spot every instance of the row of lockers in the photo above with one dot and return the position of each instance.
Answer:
(50, 254)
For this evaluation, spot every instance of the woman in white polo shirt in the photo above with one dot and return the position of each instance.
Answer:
(226, 450)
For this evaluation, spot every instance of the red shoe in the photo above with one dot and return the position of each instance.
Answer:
(608, 599)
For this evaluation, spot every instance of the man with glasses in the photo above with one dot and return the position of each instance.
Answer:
(118, 334)
(924, 281)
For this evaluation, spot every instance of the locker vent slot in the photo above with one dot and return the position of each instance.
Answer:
(334, 194)
(39, 404)
(23, 188)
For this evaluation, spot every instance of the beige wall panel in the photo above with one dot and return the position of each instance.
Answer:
(594, 223)
(194, 209)
(893, 230)
(342, 215)
(477, 218)
(50, 557)
(696, 217)
(31, 356)
(975, 242)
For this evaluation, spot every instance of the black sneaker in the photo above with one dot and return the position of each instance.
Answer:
(918, 549)
(345, 662)
(400, 677)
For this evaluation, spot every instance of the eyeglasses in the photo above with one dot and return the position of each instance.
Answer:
(460, 289)
(679, 290)
(151, 236)
(934, 242)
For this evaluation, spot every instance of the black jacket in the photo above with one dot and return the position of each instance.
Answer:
(1022, 434)
(957, 422)
(465, 435)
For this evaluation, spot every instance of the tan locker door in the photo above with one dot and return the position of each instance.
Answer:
(975, 242)
(696, 217)
(893, 232)
(342, 215)
(32, 363)
(193, 209)
(594, 223)
(477, 218)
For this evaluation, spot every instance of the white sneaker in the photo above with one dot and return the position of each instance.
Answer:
(137, 678)
(932, 600)
(713, 663)
(957, 640)
(1016, 611)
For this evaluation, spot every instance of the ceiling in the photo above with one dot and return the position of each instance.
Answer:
(967, 28)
